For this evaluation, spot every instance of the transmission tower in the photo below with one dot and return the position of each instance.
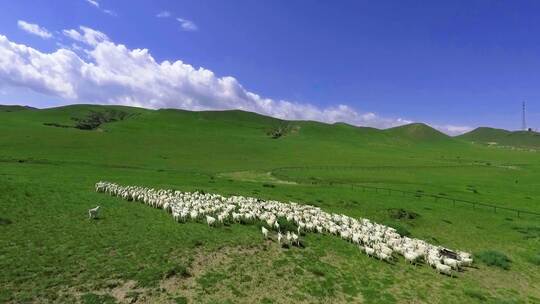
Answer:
(523, 121)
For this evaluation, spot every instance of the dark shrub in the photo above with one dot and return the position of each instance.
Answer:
(95, 119)
(402, 214)
(285, 225)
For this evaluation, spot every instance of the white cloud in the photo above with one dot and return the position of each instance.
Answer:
(187, 25)
(86, 35)
(93, 2)
(110, 12)
(113, 74)
(34, 29)
(96, 4)
(164, 14)
(452, 130)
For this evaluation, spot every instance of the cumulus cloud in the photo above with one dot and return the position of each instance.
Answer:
(111, 73)
(34, 29)
(453, 130)
(163, 14)
(187, 25)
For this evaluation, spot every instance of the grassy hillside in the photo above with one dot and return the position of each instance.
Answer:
(417, 132)
(498, 137)
(51, 253)
(13, 108)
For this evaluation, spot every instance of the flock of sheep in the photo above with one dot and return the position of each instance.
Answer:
(374, 239)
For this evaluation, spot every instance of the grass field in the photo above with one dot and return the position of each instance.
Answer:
(51, 253)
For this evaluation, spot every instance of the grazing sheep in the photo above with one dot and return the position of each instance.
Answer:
(444, 269)
(210, 220)
(465, 262)
(295, 239)
(451, 262)
(411, 257)
(369, 251)
(288, 237)
(93, 213)
(374, 239)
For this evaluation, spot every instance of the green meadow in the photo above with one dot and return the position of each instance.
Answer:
(50, 252)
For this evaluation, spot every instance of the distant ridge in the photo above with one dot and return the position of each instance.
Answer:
(339, 131)
(417, 132)
(500, 137)
(13, 108)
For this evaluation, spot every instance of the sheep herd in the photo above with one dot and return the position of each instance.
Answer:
(374, 239)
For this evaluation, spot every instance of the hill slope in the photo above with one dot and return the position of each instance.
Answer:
(499, 137)
(418, 132)
(13, 108)
(50, 252)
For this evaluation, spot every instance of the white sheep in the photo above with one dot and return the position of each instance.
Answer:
(441, 268)
(451, 262)
(295, 239)
(264, 232)
(369, 251)
(210, 220)
(93, 213)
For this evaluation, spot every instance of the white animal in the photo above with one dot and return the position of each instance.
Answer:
(411, 257)
(451, 262)
(441, 268)
(369, 251)
(279, 236)
(264, 232)
(93, 213)
(295, 238)
(210, 220)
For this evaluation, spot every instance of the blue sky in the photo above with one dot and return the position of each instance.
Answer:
(458, 64)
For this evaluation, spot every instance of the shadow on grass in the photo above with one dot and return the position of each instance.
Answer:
(5, 221)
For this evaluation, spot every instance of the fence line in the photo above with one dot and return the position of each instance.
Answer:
(419, 195)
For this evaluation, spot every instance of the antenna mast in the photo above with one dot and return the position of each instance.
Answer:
(523, 121)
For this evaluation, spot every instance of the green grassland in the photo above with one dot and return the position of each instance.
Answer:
(51, 253)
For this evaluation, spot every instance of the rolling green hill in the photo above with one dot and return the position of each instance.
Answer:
(499, 137)
(12, 108)
(50, 252)
(418, 132)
